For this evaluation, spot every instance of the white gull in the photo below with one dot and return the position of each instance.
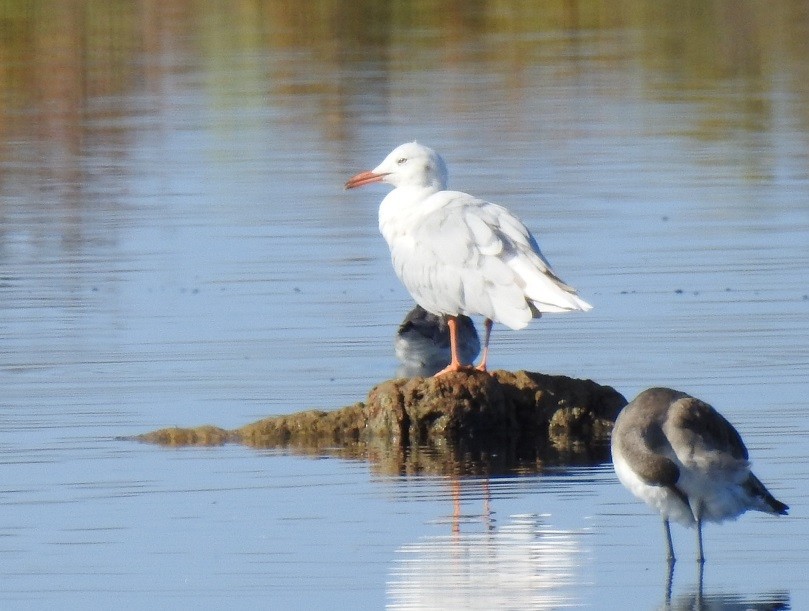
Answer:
(460, 255)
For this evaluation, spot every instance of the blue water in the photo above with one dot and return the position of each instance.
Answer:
(179, 250)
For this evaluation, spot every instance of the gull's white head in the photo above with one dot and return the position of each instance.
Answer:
(408, 165)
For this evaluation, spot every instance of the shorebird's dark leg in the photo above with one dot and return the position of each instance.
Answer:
(697, 513)
(669, 547)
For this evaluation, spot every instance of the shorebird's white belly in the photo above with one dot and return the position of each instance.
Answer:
(659, 498)
(720, 493)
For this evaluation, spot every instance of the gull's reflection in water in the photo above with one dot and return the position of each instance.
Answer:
(422, 343)
(698, 600)
(524, 563)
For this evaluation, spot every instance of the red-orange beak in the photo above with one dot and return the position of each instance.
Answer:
(364, 178)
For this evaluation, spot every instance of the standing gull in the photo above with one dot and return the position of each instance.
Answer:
(681, 457)
(457, 254)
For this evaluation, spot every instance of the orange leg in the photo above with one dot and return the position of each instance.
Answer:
(487, 331)
(455, 363)
(456, 506)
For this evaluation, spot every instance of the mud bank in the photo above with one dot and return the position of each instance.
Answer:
(469, 421)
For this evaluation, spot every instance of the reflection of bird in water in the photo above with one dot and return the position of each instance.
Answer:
(773, 601)
(457, 254)
(423, 347)
(681, 457)
(523, 563)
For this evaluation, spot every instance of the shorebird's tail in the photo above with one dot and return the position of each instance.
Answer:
(762, 499)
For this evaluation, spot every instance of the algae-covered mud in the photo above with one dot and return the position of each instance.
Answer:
(461, 422)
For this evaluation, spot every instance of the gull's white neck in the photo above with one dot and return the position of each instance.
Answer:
(402, 208)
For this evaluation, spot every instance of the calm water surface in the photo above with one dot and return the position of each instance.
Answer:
(176, 249)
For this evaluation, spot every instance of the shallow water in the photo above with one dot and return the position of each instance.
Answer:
(176, 249)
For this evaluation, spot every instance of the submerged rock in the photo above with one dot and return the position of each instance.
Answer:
(463, 422)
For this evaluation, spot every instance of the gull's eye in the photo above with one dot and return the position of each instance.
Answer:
(401, 161)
